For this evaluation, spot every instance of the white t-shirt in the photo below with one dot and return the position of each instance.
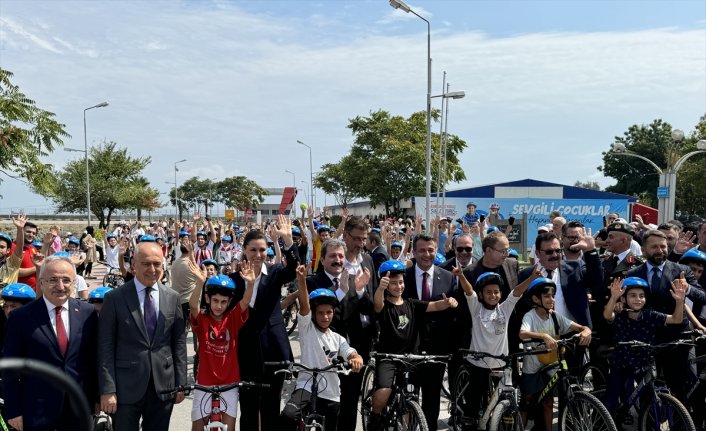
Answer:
(489, 332)
(111, 256)
(81, 284)
(318, 349)
(533, 323)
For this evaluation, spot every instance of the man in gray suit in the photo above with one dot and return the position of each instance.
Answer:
(142, 347)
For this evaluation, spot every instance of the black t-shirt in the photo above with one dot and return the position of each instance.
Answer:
(400, 326)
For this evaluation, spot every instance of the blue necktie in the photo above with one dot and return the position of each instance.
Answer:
(656, 278)
(150, 314)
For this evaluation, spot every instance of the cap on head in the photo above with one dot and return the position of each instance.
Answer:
(540, 286)
(471, 204)
(621, 227)
(18, 292)
(392, 266)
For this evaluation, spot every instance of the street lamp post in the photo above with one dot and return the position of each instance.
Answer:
(85, 149)
(668, 175)
(441, 180)
(176, 190)
(399, 4)
(306, 195)
(294, 177)
(311, 177)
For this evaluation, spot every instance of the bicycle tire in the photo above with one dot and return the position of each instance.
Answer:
(446, 384)
(585, 413)
(593, 379)
(412, 419)
(462, 419)
(366, 392)
(505, 417)
(290, 316)
(671, 411)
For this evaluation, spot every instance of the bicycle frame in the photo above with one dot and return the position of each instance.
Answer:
(504, 390)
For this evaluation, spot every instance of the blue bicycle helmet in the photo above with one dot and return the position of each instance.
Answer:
(541, 286)
(110, 235)
(322, 296)
(513, 253)
(396, 244)
(209, 262)
(37, 244)
(19, 292)
(226, 239)
(635, 283)
(201, 233)
(73, 240)
(693, 256)
(183, 233)
(376, 229)
(322, 228)
(146, 238)
(488, 278)
(158, 237)
(7, 238)
(270, 252)
(492, 229)
(97, 294)
(392, 266)
(296, 231)
(221, 285)
(439, 259)
(61, 254)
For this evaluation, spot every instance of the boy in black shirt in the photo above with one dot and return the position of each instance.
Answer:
(400, 323)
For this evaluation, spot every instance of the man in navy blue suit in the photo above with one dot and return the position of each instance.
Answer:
(60, 331)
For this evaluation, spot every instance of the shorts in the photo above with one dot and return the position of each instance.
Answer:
(384, 374)
(532, 384)
(202, 404)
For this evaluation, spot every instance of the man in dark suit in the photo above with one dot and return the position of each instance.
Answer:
(60, 331)
(377, 251)
(357, 314)
(142, 347)
(427, 282)
(463, 253)
(659, 274)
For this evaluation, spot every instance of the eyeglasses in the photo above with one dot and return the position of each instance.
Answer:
(552, 251)
(462, 249)
(504, 251)
(572, 238)
(55, 281)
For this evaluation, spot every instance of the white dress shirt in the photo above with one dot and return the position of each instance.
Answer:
(52, 315)
(263, 270)
(420, 280)
(154, 296)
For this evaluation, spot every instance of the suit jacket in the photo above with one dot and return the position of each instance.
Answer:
(263, 337)
(660, 299)
(439, 329)
(451, 264)
(347, 320)
(379, 256)
(576, 278)
(126, 355)
(30, 336)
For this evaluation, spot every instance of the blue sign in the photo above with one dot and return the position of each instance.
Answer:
(662, 192)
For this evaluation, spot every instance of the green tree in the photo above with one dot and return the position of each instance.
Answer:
(591, 185)
(388, 157)
(337, 179)
(116, 183)
(638, 178)
(26, 134)
(240, 192)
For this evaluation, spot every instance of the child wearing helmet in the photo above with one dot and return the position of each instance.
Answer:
(401, 321)
(216, 328)
(16, 295)
(10, 261)
(490, 322)
(319, 346)
(635, 322)
(96, 297)
(543, 324)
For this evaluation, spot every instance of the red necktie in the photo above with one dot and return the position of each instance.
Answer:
(61, 332)
(549, 273)
(426, 290)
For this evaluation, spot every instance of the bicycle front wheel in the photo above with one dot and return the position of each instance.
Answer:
(665, 413)
(593, 379)
(585, 413)
(412, 419)
(461, 416)
(505, 417)
(366, 402)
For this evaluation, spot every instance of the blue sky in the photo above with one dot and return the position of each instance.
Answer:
(231, 86)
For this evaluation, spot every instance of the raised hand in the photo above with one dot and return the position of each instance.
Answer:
(384, 281)
(679, 287)
(48, 238)
(685, 242)
(361, 279)
(616, 288)
(284, 229)
(450, 302)
(199, 273)
(124, 245)
(536, 273)
(587, 243)
(20, 221)
(346, 214)
(247, 272)
(37, 259)
(301, 273)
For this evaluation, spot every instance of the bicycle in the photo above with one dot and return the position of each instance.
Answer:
(657, 408)
(403, 411)
(290, 312)
(696, 396)
(215, 418)
(502, 396)
(113, 278)
(578, 409)
(311, 419)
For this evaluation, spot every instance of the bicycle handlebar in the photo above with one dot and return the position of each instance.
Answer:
(642, 344)
(338, 364)
(506, 358)
(410, 357)
(214, 389)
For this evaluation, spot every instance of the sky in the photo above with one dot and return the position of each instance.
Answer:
(232, 85)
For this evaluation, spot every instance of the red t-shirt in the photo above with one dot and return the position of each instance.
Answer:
(218, 346)
(31, 280)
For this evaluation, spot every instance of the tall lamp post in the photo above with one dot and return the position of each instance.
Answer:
(401, 5)
(666, 193)
(442, 140)
(311, 177)
(294, 177)
(176, 190)
(306, 195)
(85, 149)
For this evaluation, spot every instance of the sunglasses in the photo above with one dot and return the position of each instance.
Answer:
(552, 251)
(462, 249)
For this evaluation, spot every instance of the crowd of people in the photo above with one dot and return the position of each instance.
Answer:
(366, 285)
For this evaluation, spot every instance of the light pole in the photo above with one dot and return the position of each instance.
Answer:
(306, 195)
(399, 4)
(666, 193)
(85, 149)
(176, 190)
(210, 185)
(294, 177)
(442, 140)
(311, 177)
